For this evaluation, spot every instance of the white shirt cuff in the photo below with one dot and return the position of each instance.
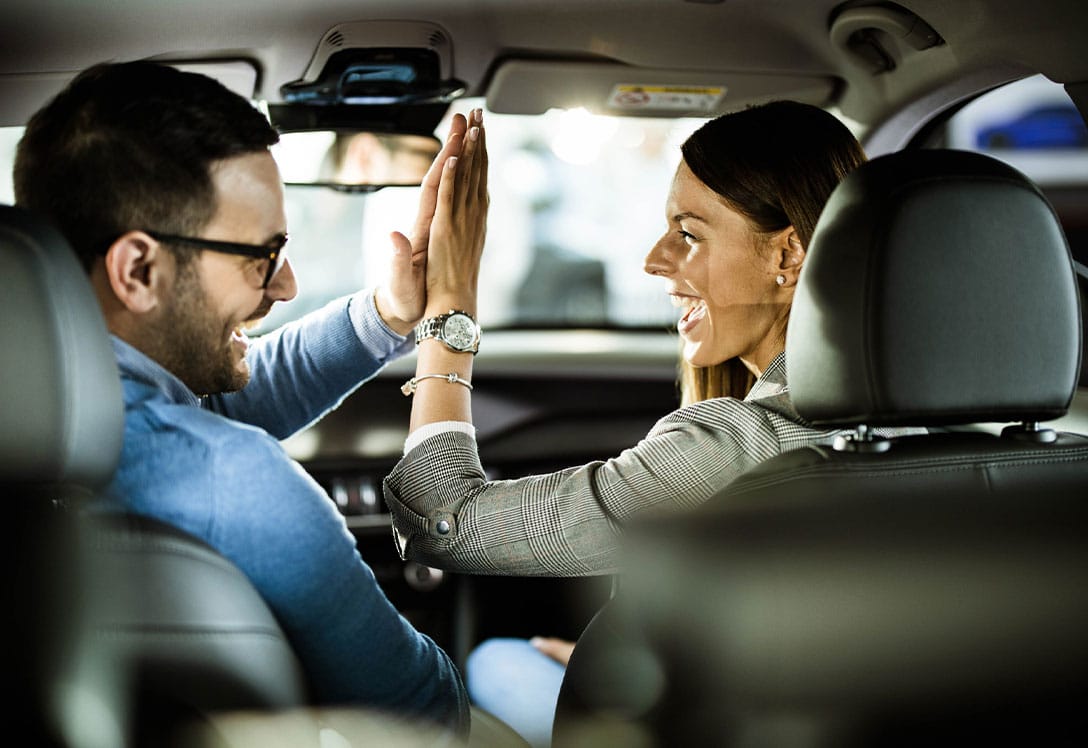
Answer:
(426, 431)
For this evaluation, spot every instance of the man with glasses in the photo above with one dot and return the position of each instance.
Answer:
(163, 183)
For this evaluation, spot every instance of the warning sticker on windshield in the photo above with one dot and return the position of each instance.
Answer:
(672, 98)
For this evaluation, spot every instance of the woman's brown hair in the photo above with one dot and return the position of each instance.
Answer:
(777, 165)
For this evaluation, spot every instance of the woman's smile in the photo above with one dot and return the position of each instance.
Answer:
(696, 311)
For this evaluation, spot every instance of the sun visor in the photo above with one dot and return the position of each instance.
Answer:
(240, 76)
(534, 86)
(22, 94)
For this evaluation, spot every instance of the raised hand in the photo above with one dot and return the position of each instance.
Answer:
(402, 300)
(459, 226)
(454, 249)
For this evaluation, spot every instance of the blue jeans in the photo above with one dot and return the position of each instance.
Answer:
(513, 681)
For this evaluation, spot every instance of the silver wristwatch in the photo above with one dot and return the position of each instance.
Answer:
(457, 329)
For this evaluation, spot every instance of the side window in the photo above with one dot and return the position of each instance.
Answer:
(1033, 126)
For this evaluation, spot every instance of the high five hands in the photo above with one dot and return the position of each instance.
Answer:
(459, 226)
(456, 182)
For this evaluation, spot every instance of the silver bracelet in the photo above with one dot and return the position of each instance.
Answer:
(409, 387)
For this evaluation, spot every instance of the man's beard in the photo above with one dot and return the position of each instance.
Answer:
(189, 341)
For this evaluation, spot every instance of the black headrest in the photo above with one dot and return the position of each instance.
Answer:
(938, 289)
(1082, 283)
(61, 410)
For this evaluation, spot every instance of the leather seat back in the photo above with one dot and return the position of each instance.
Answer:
(119, 628)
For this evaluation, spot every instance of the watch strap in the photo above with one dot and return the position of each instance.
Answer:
(432, 328)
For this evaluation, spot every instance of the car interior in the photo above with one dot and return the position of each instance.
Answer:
(883, 592)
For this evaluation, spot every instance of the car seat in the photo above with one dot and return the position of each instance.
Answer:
(118, 629)
(927, 589)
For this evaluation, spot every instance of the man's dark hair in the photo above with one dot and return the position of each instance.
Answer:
(130, 146)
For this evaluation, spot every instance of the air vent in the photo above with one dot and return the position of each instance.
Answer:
(335, 39)
(437, 39)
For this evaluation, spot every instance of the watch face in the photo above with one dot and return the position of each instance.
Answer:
(460, 332)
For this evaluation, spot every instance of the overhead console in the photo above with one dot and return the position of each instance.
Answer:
(380, 75)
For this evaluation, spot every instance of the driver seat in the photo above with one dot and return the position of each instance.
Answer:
(118, 630)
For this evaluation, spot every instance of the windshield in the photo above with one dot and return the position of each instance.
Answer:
(576, 203)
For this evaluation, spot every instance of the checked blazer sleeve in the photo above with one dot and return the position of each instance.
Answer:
(447, 514)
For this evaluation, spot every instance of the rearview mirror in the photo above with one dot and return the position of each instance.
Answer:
(353, 160)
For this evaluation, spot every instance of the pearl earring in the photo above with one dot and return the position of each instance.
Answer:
(780, 280)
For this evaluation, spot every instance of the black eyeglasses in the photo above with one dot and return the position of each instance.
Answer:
(272, 251)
